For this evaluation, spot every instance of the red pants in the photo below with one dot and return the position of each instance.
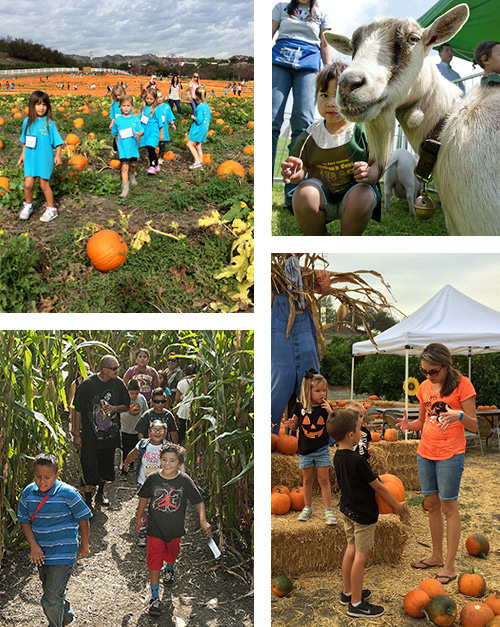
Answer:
(160, 551)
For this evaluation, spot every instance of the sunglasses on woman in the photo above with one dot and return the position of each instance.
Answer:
(431, 373)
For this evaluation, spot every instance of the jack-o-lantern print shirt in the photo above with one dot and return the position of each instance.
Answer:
(312, 428)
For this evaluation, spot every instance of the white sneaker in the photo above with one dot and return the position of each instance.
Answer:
(330, 517)
(26, 211)
(305, 514)
(49, 214)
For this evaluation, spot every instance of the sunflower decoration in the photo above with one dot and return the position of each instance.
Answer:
(411, 385)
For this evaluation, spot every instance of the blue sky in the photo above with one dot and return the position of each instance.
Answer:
(190, 28)
(416, 277)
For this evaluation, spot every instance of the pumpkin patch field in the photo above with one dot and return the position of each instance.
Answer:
(181, 241)
(312, 596)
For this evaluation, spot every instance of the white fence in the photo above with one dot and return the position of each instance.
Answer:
(51, 70)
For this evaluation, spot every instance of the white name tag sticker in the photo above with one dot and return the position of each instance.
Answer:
(117, 115)
(125, 133)
(163, 119)
(30, 141)
(144, 119)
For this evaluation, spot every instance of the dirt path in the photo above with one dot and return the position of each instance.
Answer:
(110, 587)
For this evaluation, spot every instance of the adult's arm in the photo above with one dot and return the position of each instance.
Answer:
(276, 26)
(325, 49)
(469, 415)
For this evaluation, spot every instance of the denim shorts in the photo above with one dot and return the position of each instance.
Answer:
(319, 458)
(441, 477)
(333, 210)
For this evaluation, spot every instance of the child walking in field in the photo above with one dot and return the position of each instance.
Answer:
(167, 117)
(147, 454)
(309, 417)
(168, 492)
(128, 130)
(41, 151)
(152, 126)
(358, 485)
(341, 183)
(363, 447)
(115, 111)
(199, 128)
(129, 420)
(51, 513)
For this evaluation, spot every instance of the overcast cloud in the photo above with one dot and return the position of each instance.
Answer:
(189, 28)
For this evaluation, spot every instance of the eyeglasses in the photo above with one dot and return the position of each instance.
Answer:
(115, 368)
(430, 373)
(162, 401)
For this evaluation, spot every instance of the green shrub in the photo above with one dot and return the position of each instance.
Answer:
(19, 282)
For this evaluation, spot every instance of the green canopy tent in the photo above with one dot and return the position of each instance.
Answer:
(483, 24)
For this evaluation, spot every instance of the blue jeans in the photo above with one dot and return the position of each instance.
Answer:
(302, 83)
(291, 357)
(441, 477)
(54, 580)
(193, 106)
(176, 103)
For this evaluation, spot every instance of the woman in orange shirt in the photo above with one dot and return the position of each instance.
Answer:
(447, 407)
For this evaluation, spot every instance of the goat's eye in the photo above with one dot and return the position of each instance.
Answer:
(413, 39)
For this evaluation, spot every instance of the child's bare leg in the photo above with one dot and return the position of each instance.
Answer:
(125, 171)
(347, 561)
(359, 203)
(199, 151)
(47, 192)
(307, 202)
(324, 484)
(192, 150)
(307, 484)
(154, 577)
(357, 574)
(29, 182)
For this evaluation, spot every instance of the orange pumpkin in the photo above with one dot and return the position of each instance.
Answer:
(230, 167)
(91, 136)
(105, 114)
(373, 397)
(280, 503)
(169, 156)
(107, 250)
(415, 603)
(78, 161)
(281, 586)
(78, 122)
(432, 587)
(72, 139)
(472, 584)
(211, 132)
(283, 488)
(250, 124)
(1, 144)
(493, 600)
(219, 121)
(341, 403)
(494, 622)
(390, 435)
(4, 183)
(442, 610)
(297, 499)
(395, 487)
(476, 614)
(274, 441)
(115, 163)
(249, 150)
(375, 437)
(2, 121)
(206, 159)
(287, 444)
(477, 545)
(251, 171)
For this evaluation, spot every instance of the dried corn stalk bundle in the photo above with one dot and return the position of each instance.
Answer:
(356, 296)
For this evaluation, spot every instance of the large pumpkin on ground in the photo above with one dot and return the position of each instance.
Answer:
(281, 586)
(107, 250)
(297, 499)
(287, 444)
(78, 161)
(494, 622)
(415, 603)
(432, 587)
(442, 610)
(72, 139)
(280, 503)
(477, 545)
(493, 600)
(230, 167)
(4, 183)
(475, 614)
(395, 487)
(472, 584)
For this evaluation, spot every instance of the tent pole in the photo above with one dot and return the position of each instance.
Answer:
(470, 364)
(352, 378)
(407, 374)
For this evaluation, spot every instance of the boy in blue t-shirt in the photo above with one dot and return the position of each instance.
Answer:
(128, 129)
(51, 513)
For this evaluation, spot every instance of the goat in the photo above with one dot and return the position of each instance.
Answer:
(400, 179)
(391, 77)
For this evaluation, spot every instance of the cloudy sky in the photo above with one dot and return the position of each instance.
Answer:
(190, 28)
(415, 278)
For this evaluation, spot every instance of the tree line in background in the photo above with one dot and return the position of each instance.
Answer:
(29, 54)
(36, 370)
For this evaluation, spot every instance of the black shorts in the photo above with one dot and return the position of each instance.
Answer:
(97, 464)
(129, 160)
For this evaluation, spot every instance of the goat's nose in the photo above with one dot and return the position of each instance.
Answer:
(348, 84)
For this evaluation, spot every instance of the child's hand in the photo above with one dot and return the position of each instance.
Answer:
(111, 125)
(206, 527)
(57, 160)
(326, 405)
(37, 556)
(369, 449)
(290, 424)
(361, 172)
(174, 127)
(138, 525)
(291, 168)
(400, 507)
(21, 161)
(84, 549)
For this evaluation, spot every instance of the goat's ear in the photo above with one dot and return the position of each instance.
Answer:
(339, 42)
(446, 26)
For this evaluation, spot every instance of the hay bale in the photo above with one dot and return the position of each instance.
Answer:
(312, 547)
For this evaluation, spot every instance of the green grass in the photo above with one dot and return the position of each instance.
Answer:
(397, 221)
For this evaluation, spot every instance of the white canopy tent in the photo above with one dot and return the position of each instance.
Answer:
(462, 324)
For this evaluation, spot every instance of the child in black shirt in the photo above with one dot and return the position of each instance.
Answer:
(363, 448)
(358, 485)
(168, 491)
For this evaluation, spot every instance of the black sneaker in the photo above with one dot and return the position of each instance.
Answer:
(154, 607)
(100, 498)
(345, 600)
(168, 577)
(365, 609)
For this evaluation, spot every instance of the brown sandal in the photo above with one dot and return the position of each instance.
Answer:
(425, 565)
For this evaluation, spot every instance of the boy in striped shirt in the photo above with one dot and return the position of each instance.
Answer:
(51, 513)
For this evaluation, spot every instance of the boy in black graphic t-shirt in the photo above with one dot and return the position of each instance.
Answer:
(168, 491)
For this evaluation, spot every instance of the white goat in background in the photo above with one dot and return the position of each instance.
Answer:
(400, 180)
(391, 77)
